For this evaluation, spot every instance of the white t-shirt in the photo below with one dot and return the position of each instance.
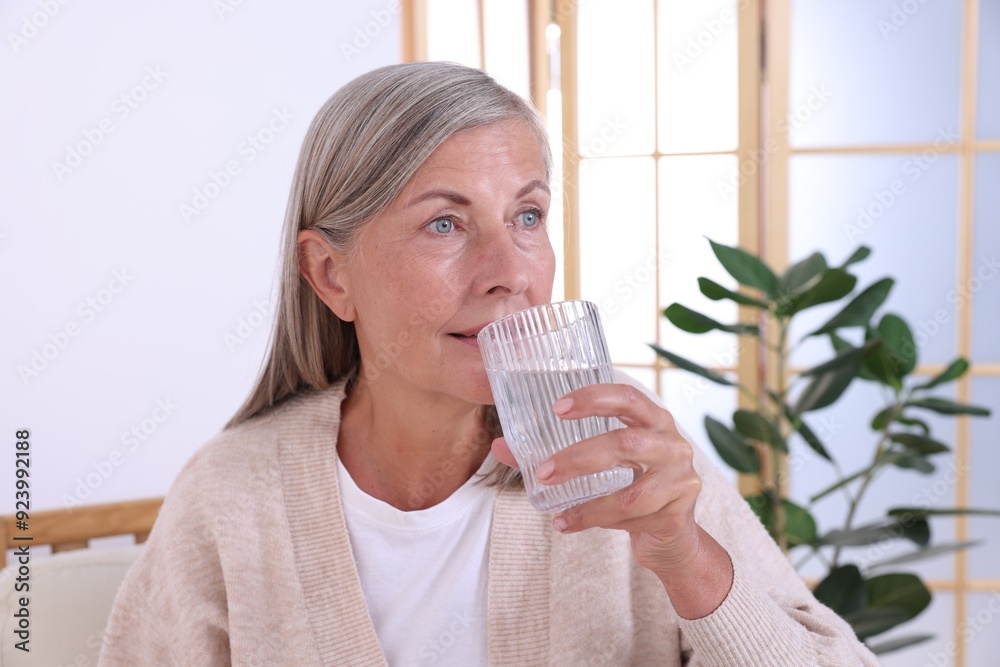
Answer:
(424, 573)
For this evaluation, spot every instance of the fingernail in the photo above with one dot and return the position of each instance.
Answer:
(545, 470)
(563, 405)
(560, 524)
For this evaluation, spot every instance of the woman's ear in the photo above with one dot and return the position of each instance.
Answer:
(326, 271)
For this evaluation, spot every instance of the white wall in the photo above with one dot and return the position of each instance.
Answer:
(120, 312)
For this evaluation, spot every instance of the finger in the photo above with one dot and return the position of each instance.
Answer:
(502, 453)
(640, 507)
(631, 447)
(624, 401)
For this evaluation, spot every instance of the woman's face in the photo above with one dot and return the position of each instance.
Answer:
(464, 243)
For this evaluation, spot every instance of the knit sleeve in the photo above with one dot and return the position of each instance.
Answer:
(171, 607)
(769, 616)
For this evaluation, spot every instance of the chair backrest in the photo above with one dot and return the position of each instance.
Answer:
(71, 594)
(73, 528)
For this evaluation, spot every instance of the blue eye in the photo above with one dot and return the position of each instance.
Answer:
(530, 218)
(443, 225)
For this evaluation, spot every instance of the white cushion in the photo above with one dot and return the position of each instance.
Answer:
(70, 598)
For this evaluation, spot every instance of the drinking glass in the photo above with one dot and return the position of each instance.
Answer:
(534, 357)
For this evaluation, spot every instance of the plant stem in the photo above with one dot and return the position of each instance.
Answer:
(779, 509)
(870, 475)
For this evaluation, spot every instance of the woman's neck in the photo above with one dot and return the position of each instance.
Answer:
(408, 449)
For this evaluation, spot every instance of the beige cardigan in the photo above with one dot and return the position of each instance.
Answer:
(250, 564)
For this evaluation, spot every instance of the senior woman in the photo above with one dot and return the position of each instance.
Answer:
(360, 508)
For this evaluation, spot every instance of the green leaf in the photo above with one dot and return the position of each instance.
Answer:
(715, 292)
(861, 253)
(897, 643)
(898, 591)
(747, 269)
(844, 357)
(861, 308)
(909, 421)
(870, 622)
(734, 450)
(897, 341)
(825, 388)
(917, 513)
(917, 531)
(692, 367)
(879, 420)
(927, 552)
(686, 319)
(843, 590)
(945, 406)
(919, 444)
(801, 275)
(694, 322)
(754, 425)
(800, 527)
(953, 372)
(799, 424)
(915, 462)
(833, 284)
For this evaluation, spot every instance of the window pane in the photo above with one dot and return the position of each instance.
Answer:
(615, 78)
(698, 76)
(689, 400)
(983, 288)
(506, 28)
(988, 118)
(904, 209)
(869, 72)
(453, 31)
(691, 210)
(984, 455)
(617, 260)
(982, 643)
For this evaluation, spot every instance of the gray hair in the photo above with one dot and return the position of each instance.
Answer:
(363, 147)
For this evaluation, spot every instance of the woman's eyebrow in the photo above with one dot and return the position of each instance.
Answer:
(532, 185)
(459, 199)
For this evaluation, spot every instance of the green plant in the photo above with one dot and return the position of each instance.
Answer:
(872, 599)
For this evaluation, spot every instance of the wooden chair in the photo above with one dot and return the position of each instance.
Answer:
(73, 528)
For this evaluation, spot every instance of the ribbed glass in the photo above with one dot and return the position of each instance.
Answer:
(533, 358)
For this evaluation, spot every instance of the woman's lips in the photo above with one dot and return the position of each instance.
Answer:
(470, 340)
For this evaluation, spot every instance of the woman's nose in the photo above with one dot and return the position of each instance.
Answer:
(501, 266)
